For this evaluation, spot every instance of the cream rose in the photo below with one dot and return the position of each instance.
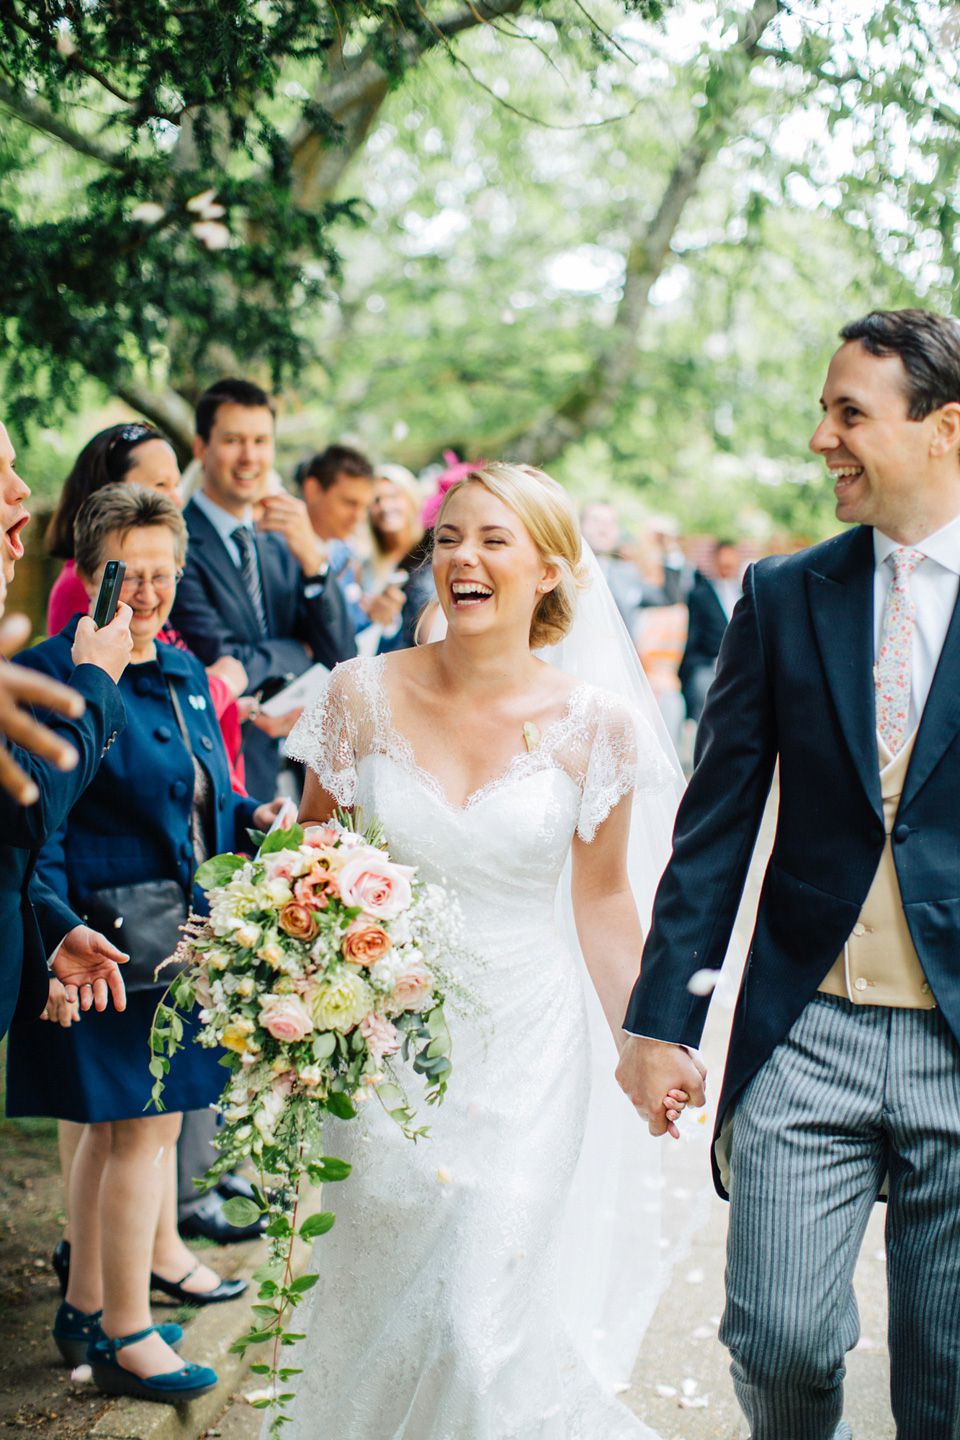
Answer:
(285, 1017)
(339, 1002)
(380, 887)
(413, 988)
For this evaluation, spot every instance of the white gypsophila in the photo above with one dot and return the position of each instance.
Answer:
(400, 931)
(388, 969)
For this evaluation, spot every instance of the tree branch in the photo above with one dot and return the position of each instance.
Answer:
(590, 404)
(353, 94)
(37, 114)
(164, 408)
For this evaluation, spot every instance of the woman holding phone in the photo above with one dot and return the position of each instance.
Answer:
(159, 804)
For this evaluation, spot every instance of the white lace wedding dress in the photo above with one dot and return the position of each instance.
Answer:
(437, 1315)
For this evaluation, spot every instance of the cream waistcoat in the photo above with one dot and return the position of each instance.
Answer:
(879, 964)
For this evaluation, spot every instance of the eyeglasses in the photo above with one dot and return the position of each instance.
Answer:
(163, 581)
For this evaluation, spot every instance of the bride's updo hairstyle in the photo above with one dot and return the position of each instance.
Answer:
(544, 507)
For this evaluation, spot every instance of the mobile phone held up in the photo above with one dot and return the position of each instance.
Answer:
(109, 594)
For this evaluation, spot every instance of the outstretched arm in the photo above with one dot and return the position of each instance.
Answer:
(611, 939)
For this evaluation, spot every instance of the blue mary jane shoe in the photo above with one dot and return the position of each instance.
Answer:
(172, 1387)
(74, 1333)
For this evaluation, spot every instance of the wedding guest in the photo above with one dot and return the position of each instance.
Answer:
(338, 486)
(711, 604)
(159, 804)
(600, 528)
(33, 921)
(266, 596)
(397, 549)
(136, 454)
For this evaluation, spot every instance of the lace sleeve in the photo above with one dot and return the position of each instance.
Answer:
(327, 737)
(625, 755)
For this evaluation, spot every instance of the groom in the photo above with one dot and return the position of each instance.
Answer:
(843, 1078)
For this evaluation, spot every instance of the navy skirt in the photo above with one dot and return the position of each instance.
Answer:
(97, 1069)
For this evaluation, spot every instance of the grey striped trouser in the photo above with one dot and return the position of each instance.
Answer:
(852, 1094)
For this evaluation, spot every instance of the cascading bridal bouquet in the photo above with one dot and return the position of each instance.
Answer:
(321, 963)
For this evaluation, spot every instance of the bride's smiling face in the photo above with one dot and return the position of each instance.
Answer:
(487, 569)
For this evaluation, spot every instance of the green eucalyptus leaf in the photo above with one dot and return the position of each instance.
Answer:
(288, 839)
(217, 871)
(317, 1224)
(240, 1212)
(340, 1106)
(329, 1168)
(323, 1045)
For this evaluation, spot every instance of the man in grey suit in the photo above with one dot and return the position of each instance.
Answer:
(842, 663)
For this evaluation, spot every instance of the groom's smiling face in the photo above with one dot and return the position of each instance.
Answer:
(879, 459)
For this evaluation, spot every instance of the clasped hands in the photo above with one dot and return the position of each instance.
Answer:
(660, 1080)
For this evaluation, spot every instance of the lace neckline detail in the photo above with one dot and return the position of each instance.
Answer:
(395, 745)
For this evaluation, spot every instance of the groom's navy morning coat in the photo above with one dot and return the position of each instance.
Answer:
(795, 683)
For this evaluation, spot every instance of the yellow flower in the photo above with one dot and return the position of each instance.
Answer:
(339, 1002)
(236, 1036)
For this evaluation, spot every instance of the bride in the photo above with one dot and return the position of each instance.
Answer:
(438, 1312)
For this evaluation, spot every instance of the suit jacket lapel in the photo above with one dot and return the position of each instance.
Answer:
(841, 608)
(940, 720)
(216, 558)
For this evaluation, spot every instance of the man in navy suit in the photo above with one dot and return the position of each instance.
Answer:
(267, 596)
(710, 605)
(33, 923)
(843, 1077)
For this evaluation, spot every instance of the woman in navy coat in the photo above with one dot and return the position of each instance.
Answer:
(152, 812)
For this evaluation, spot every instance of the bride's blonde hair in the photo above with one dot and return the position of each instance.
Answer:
(545, 509)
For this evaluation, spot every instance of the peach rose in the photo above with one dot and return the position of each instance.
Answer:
(380, 887)
(364, 943)
(381, 1037)
(412, 988)
(285, 1017)
(298, 920)
(312, 890)
(320, 836)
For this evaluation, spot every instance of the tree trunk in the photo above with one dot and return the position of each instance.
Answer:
(590, 405)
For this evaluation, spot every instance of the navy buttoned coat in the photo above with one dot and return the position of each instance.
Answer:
(795, 685)
(131, 823)
(32, 919)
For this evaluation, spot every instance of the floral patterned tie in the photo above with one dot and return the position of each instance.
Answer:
(893, 672)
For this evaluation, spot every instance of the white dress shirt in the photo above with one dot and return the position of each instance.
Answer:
(728, 592)
(934, 586)
(224, 523)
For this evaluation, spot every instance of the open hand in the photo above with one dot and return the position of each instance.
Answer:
(651, 1072)
(87, 965)
(19, 689)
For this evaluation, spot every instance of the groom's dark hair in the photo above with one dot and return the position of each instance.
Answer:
(929, 350)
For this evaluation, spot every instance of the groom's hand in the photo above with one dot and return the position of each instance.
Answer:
(648, 1069)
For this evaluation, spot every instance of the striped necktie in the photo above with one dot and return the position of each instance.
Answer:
(250, 571)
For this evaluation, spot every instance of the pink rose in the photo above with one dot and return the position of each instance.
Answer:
(285, 1017)
(364, 943)
(381, 888)
(320, 836)
(381, 1037)
(281, 865)
(299, 920)
(413, 989)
